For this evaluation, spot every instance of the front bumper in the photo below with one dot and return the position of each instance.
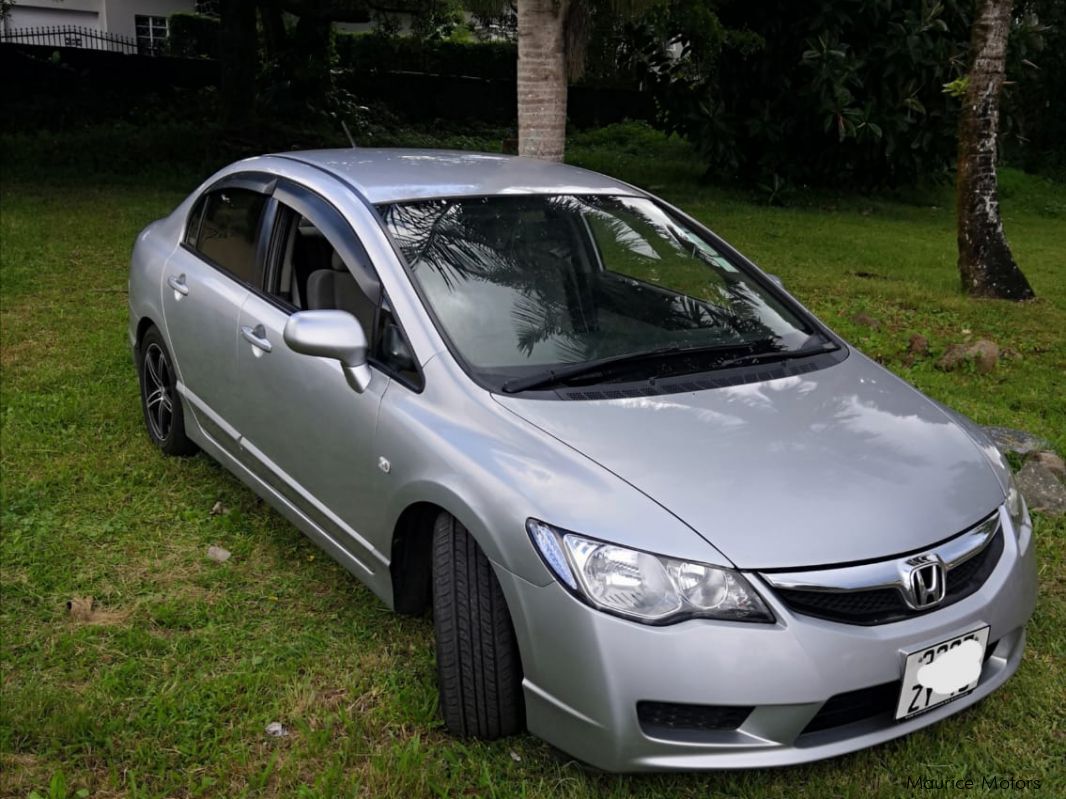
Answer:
(585, 672)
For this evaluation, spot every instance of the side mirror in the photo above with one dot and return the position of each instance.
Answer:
(331, 334)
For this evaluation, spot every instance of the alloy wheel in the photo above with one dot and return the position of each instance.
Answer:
(157, 397)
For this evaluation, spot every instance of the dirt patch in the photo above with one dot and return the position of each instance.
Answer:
(85, 610)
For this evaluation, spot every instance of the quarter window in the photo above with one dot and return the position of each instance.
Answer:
(192, 230)
(229, 229)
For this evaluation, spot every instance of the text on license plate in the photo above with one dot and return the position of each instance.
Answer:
(941, 672)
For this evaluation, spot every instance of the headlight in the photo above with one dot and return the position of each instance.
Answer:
(642, 586)
(1019, 515)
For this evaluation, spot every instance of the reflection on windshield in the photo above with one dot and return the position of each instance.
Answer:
(535, 281)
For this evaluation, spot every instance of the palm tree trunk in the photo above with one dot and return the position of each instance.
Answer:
(986, 265)
(542, 78)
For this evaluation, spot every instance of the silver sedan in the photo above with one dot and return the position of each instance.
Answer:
(664, 518)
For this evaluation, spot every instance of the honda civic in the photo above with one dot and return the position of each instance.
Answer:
(663, 517)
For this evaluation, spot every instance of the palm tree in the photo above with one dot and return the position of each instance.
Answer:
(986, 265)
(552, 37)
(542, 76)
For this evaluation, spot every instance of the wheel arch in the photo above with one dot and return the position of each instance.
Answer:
(143, 324)
(410, 563)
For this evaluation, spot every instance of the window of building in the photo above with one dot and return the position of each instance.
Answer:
(151, 33)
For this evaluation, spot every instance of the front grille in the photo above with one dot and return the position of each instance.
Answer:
(663, 719)
(863, 704)
(882, 605)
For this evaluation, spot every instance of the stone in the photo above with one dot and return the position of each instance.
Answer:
(1050, 461)
(985, 355)
(218, 554)
(983, 352)
(276, 729)
(919, 345)
(866, 321)
(1019, 442)
(952, 358)
(1042, 490)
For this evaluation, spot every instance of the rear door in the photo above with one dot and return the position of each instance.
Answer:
(205, 283)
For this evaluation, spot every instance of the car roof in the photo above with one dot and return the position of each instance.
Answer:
(384, 175)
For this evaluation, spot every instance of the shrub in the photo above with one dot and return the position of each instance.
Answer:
(193, 36)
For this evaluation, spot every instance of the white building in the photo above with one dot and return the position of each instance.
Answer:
(142, 20)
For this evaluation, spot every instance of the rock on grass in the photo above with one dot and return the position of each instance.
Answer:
(1019, 442)
(984, 354)
(1041, 488)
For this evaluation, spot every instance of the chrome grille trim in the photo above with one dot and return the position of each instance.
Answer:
(888, 573)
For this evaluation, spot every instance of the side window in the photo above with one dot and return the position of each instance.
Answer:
(309, 274)
(229, 228)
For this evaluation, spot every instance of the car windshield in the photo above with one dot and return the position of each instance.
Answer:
(521, 285)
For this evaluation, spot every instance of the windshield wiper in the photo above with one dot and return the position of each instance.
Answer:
(565, 374)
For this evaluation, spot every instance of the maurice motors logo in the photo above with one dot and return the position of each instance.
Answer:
(969, 783)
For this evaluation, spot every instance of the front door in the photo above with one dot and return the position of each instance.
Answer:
(304, 430)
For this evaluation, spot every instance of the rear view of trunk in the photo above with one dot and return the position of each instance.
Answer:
(986, 265)
(542, 78)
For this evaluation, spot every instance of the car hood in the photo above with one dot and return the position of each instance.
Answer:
(844, 464)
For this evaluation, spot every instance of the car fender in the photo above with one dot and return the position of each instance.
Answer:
(458, 449)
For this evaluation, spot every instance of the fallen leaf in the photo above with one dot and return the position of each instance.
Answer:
(218, 508)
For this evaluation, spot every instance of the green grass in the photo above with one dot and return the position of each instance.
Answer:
(170, 693)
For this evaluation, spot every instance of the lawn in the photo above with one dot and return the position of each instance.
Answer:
(167, 688)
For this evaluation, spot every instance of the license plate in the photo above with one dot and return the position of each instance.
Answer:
(942, 672)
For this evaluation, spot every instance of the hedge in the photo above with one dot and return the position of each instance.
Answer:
(372, 52)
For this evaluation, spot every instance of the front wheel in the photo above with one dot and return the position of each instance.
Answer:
(479, 672)
(163, 415)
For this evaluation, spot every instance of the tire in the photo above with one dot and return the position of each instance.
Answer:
(479, 673)
(164, 417)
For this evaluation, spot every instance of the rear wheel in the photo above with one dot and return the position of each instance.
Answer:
(163, 413)
(479, 672)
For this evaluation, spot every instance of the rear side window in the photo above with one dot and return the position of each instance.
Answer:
(229, 229)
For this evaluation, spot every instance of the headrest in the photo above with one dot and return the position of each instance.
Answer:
(305, 228)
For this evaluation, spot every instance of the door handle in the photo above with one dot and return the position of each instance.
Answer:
(256, 336)
(178, 284)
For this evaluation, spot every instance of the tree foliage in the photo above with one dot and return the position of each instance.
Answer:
(837, 90)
